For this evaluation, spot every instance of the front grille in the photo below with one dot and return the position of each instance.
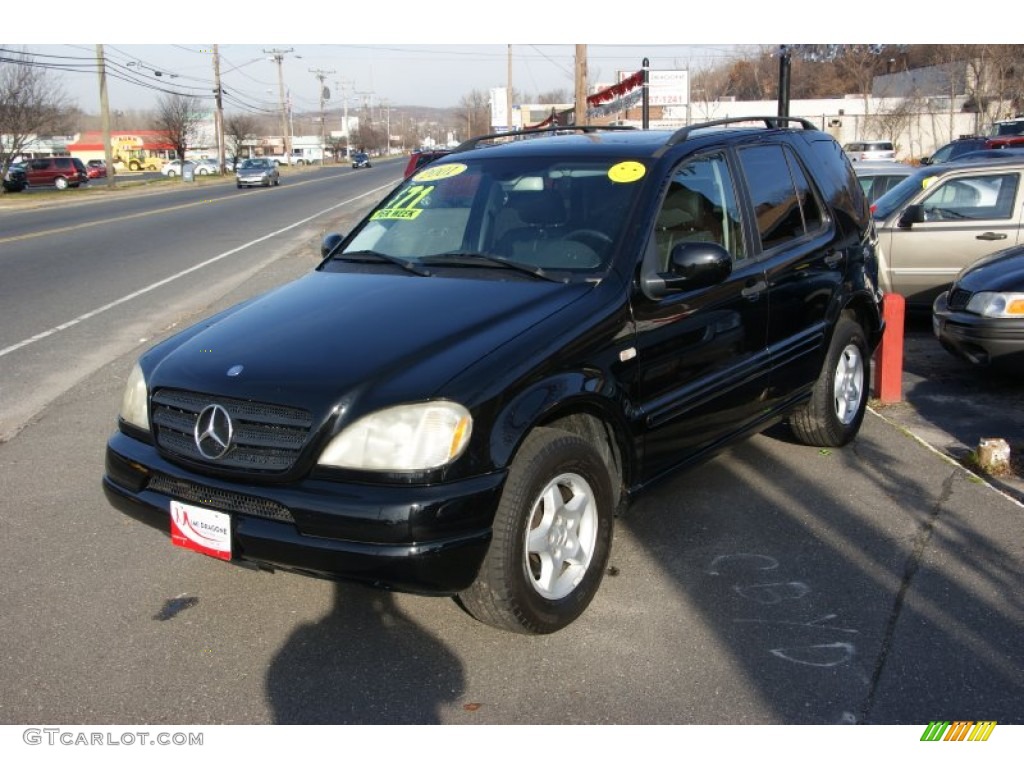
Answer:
(228, 501)
(267, 438)
(958, 298)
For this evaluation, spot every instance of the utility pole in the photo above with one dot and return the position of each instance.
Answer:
(581, 85)
(342, 86)
(367, 110)
(278, 56)
(321, 75)
(508, 94)
(108, 153)
(219, 114)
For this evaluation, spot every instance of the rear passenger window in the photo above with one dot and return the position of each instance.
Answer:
(785, 205)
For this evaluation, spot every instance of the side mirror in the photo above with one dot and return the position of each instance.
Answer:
(925, 161)
(912, 214)
(696, 265)
(331, 241)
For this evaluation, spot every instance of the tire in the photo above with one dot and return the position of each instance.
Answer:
(277, 182)
(238, 185)
(546, 558)
(833, 415)
(60, 182)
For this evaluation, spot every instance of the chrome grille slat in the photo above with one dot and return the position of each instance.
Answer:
(267, 437)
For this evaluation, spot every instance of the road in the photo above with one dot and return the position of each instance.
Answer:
(89, 275)
(776, 584)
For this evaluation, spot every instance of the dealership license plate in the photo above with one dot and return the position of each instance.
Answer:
(201, 530)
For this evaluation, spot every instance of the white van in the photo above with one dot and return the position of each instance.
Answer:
(870, 150)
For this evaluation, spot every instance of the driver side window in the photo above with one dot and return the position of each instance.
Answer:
(700, 206)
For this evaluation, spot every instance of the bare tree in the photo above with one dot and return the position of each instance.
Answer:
(178, 120)
(474, 112)
(238, 129)
(32, 102)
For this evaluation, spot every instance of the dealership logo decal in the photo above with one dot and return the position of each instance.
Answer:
(213, 432)
(958, 730)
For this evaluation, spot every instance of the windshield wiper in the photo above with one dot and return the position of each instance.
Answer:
(410, 266)
(469, 258)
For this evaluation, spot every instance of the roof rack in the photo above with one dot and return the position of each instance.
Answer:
(770, 122)
(475, 141)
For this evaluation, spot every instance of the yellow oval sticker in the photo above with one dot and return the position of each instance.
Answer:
(929, 181)
(436, 173)
(627, 172)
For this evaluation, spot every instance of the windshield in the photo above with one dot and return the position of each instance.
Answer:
(547, 213)
(896, 197)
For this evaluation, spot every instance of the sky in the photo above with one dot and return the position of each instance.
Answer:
(405, 53)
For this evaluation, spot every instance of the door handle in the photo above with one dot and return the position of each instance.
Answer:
(991, 236)
(753, 290)
(833, 258)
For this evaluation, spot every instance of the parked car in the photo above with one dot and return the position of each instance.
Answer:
(360, 160)
(421, 157)
(207, 166)
(59, 172)
(512, 344)
(989, 154)
(955, 149)
(980, 319)
(879, 176)
(874, 149)
(96, 169)
(942, 218)
(15, 179)
(174, 168)
(257, 172)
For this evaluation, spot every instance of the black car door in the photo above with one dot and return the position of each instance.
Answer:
(804, 264)
(702, 362)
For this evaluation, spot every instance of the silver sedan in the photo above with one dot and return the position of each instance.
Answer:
(257, 172)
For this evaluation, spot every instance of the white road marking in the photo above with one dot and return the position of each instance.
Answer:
(160, 283)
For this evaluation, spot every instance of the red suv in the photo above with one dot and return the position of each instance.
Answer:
(421, 157)
(60, 172)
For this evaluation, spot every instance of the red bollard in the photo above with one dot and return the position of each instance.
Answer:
(889, 357)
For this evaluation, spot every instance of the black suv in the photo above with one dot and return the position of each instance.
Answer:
(517, 340)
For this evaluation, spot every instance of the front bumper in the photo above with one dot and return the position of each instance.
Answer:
(424, 539)
(983, 341)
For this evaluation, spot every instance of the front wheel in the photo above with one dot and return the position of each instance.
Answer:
(551, 537)
(60, 182)
(833, 415)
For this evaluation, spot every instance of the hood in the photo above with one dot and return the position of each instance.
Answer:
(329, 336)
(1000, 271)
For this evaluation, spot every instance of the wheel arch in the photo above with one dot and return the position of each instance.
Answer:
(567, 402)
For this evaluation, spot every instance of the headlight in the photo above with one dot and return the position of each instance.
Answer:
(134, 408)
(990, 304)
(406, 438)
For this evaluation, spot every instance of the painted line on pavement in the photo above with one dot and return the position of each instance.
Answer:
(160, 283)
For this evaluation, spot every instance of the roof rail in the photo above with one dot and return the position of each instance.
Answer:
(770, 122)
(475, 141)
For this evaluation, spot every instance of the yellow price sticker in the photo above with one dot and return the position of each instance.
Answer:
(397, 213)
(445, 171)
(627, 172)
(929, 181)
